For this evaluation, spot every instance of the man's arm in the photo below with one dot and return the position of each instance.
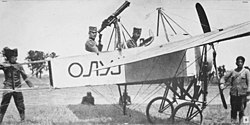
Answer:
(25, 77)
(2, 65)
(248, 86)
(92, 101)
(100, 46)
(83, 100)
(248, 80)
(130, 43)
(129, 100)
(91, 46)
(225, 78)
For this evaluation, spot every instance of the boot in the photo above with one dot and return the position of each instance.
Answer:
(233, 121)
(22, 116)
(241, 114)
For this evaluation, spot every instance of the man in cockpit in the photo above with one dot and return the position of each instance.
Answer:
(131, 43)
(91, 44)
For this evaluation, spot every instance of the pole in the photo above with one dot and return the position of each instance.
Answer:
(125, 100)
(205, 76)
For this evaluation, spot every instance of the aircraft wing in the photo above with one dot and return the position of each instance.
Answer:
(232, 32)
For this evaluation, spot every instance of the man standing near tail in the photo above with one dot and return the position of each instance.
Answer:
(12, 72)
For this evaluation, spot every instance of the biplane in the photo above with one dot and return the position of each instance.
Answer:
(163, 64)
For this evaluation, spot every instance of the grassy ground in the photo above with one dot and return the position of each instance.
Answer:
(62, 106)
(98, 114)
(111, 114)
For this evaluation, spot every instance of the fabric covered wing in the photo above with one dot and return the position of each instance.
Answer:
(232, 32)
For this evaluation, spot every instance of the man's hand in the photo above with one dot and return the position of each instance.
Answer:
(248, 92)
(141, 42)
(222, 86)
(5, 64)
(29, 83)
(248, 98)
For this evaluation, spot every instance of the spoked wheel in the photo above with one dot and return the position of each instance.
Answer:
(187, 113)
(159, 110)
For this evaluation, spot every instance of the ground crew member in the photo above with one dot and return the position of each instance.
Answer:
(122, 99)
(239, 80)
(88, 100)
(12, 80)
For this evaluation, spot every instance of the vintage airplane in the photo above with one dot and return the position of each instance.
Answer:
(151, 64)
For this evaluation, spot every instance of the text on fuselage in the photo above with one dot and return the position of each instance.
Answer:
(93, 65)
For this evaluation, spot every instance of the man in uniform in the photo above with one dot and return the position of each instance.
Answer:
(88, 100)
(13, 72)
(131, 43)
(239, 79)
(90, 44)
(122, 99)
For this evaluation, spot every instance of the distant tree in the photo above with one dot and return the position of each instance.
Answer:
(53, 55)
(37, 68)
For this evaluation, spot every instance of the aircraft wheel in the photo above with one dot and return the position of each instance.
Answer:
(159, 110)
(187, 113)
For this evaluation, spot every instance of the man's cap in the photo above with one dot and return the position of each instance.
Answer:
(88, 93)
(7, 52)
(125, 93)
(92, 29)
(137, 30)
(240, 58)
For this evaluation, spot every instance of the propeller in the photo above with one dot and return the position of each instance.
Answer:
(206, 28)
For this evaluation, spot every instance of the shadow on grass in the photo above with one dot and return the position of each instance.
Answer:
(107, 114)
(113, 114)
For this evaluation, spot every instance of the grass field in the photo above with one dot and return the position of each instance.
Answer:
(62, 106)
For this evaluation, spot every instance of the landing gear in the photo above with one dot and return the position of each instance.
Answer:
(159, 110)
(187, 113)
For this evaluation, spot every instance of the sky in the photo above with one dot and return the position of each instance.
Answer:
(61, 26)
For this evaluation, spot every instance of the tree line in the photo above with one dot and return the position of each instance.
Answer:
(37, 69)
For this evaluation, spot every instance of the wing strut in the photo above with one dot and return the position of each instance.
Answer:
(164, 17)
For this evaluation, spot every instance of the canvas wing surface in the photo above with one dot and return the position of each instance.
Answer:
(232, 32)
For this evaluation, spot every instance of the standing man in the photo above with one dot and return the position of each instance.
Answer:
(122, 99)
(239, 79)
(131, 43)
(88, 100)
(91, 45)
(12, 72)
